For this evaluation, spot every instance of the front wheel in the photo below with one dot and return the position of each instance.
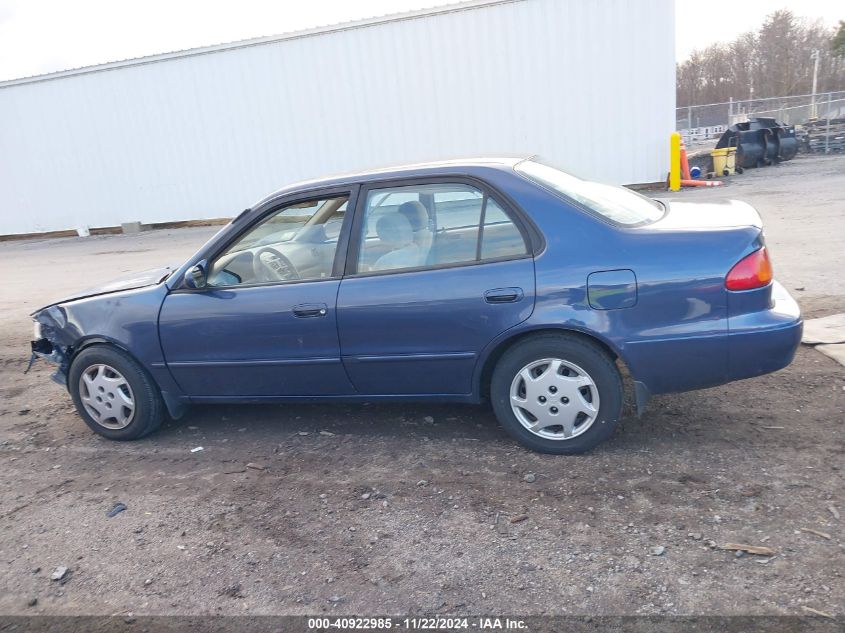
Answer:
(557, 393)
(113, 394)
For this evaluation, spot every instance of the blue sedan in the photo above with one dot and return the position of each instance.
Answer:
(506, 281)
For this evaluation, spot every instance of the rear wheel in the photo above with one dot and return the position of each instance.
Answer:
(557, 393)
(113, 394)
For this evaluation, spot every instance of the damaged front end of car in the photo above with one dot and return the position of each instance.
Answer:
(53, 341)
(95, 314)
(122, 315)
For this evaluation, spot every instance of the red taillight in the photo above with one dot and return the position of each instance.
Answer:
(753, 271)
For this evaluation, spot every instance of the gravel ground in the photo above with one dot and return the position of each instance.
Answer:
(417, 509)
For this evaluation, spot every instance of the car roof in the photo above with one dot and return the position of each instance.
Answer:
(454, 166)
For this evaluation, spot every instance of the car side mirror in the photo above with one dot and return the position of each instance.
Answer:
(195, 277)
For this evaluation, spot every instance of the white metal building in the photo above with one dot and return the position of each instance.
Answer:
(203, 133)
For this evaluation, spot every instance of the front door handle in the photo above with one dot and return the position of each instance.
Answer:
(503, 295)
(306, 310)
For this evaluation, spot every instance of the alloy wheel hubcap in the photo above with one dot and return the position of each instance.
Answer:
(107, 396)
(554, 399)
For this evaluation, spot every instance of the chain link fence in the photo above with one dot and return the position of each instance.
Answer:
(701, 123)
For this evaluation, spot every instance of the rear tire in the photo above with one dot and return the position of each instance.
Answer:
(557, 393)
(113, 394)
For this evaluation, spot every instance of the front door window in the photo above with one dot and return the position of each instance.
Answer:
(296, 242)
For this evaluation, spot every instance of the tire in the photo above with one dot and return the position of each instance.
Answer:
(584, 368)
(113, 381)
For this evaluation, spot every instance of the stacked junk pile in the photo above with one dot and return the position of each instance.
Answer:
(758, 142)
(822, 136)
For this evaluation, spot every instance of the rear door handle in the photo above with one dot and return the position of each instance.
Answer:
(306, 310)
(503, 295)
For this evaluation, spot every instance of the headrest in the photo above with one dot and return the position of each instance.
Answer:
(416, 213)
(395, 229)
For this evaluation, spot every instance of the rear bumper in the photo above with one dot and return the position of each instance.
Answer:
(765, 341)
(761, 337)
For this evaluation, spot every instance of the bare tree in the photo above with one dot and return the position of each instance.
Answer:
(776, 60)
(838, 43)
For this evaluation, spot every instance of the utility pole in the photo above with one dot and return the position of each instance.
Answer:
(814, 114)
(827, 132)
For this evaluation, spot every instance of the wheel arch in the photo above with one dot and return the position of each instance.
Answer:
(488, 363)
(89, 341)
(176, 405)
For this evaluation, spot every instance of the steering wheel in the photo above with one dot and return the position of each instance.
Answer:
(268, 264)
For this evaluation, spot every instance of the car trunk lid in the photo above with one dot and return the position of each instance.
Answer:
(707, 215)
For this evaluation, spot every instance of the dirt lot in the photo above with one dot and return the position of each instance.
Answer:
(414, 509)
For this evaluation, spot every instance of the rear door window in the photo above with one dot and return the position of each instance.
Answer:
(434, 225)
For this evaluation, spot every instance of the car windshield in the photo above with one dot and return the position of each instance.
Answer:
(617, 204)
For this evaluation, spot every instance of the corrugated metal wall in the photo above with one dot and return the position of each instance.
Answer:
(589, 85)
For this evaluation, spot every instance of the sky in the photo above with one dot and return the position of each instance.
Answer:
(42, 36)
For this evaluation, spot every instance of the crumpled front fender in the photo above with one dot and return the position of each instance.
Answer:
(127, 319)
(56, 342)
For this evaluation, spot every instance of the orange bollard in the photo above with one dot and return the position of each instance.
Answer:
(701, 183)
(685, 175)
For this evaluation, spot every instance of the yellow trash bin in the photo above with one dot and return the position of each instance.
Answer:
(720, 161)
(731, 161)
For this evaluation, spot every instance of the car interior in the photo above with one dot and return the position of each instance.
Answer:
(405, 228)
(435, 225)
(297, 242)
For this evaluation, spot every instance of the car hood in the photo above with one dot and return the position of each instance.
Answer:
(126, 282)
